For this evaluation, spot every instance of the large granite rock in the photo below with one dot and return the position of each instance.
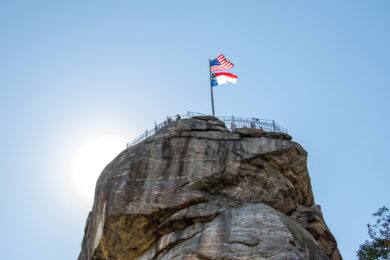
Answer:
(195, 190)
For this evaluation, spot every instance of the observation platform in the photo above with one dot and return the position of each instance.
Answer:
(231, 123)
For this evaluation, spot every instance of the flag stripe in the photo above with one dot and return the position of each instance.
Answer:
(225, 74)
(225, 64)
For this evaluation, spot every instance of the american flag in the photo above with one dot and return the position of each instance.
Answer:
(220, 63)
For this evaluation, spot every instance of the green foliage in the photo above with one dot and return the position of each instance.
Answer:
(379, 246)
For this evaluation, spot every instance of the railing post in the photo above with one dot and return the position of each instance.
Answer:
(273, 123)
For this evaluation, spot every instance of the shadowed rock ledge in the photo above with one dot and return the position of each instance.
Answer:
(195, 190)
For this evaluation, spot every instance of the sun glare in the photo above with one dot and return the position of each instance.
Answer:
(88, 162)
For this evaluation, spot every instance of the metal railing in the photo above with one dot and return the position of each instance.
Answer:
(231, 123)
(263, 124)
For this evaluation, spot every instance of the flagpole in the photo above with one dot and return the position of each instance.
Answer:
(211, 88)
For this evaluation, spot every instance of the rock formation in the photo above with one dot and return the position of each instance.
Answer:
(195, 190)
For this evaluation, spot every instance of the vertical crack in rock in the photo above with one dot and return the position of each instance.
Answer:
(195, 190)
(162, 252)
(305, 241)
(312, 220)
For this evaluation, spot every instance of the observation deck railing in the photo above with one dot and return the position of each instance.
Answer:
(231, 123)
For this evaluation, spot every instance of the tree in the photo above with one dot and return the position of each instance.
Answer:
(379, 246)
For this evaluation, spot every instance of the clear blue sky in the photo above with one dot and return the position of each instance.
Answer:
(71, 70)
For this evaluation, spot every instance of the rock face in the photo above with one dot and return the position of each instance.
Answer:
(195, 190)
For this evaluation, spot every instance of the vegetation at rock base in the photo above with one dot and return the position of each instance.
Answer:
(379, 246)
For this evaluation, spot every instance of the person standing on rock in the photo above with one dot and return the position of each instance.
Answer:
(232, 127)
(178, 117)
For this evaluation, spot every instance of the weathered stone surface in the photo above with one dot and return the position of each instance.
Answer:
(197, 124)
(253, 132)
(206, 118)
(253, 232)
(312, 220)
(198, 191)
